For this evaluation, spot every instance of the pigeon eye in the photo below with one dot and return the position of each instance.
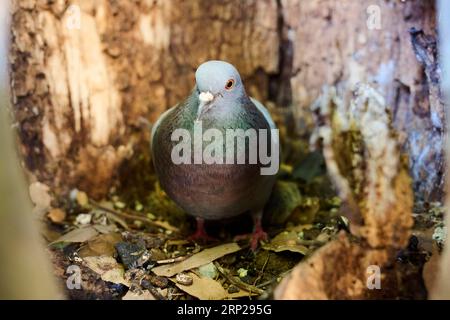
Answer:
(230, 84)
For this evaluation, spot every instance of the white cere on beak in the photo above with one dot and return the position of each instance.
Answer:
(206, 97)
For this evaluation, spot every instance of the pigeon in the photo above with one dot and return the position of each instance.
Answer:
(221, 189)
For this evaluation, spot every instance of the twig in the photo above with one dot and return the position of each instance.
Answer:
(262, 270)
(134, 217)
(153, 291)
(238, 283)
(172, 260)
(310, 242)
(264, 284)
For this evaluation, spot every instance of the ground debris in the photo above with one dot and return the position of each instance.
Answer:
(144, 233)
(77, 235)
(196, 260)
(108, 268)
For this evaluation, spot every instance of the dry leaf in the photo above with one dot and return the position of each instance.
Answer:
(209, 289)
(144, 295)
(108, 269)
(117, 219)
(102, 245)
(196, 260)
(204, 288)
(105, 229)
(56, 215)
(286, 241)
(78, 235)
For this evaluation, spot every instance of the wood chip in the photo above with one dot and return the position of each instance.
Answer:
(197, 260)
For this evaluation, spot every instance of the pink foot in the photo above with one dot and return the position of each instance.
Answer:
(257, 235)
(200, 234)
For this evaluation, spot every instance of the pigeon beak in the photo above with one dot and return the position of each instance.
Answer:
(205, 103)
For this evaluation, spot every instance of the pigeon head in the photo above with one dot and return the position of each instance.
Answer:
(218, 83)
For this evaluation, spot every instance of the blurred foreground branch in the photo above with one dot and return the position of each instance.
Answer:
(25, 269)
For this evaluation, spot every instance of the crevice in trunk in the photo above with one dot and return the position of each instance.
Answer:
(280, 89)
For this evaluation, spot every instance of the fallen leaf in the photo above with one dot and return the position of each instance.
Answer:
(118, 220)
(204, 288)
(108, 269)
(102, 245)
(56, 215)
(197, 260)
(208, 270)
(286, 241)
(209, 289)
(78, 235)
(115, 275)
(105, 229)
(144, 295)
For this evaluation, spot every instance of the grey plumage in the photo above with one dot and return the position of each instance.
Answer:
(213, 191)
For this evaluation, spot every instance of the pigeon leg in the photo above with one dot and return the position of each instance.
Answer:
(258, 232)
(200, 234)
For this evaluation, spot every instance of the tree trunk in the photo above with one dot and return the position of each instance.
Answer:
(86, 75)
(341, 43)
(440, 288)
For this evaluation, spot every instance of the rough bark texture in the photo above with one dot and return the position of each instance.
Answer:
(365, 166)
(439, 287)
(81, 96)
(332, 44)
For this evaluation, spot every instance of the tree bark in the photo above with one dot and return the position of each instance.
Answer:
(440, 288)
(85, 76)
(343, 42)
